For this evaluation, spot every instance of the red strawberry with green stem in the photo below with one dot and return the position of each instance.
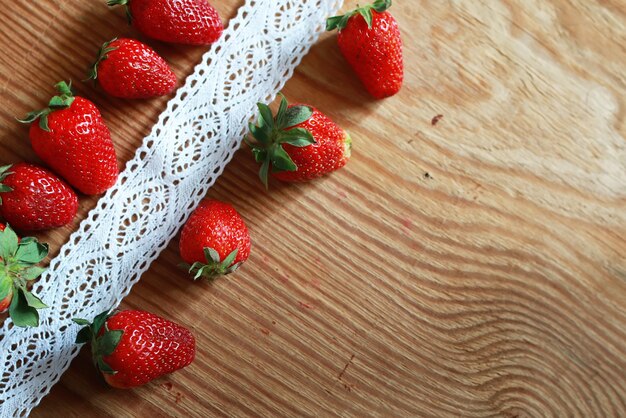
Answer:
(299, 144)
(132, 70)
(132, 348)
(18, 267)
(193, 22)
(214, 241)
(34, 199)
(72, 138)
(369, 39)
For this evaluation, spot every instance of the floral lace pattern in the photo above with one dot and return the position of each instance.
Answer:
(186, 151)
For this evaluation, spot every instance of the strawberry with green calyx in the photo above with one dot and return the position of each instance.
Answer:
(369, 38)
(63, 100)
(34, 199)
(215, 240)
(130, 69)
(192, 22)
(18, 266)
(132, 348)
(298, 144)
(72, 138)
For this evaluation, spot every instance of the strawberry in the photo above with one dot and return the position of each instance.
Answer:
(18, 266)
(34, 199)
(193, 22)
(132, 70)
(299, 144)
(369, 39)
(73, 140)
(215, 240)
(132, 348)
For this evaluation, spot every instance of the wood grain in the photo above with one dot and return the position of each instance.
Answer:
(473, 267)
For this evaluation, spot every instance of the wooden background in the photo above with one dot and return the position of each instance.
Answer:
(470, 268)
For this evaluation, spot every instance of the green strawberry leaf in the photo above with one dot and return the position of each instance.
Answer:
(233, 268)
(64, 88)
(80, 321)
(104, 367)
(21, 313)
(6, 285)
(381, 5)
(32, 116)
(32, 273)
(260, 154)
(281, 161)
(8, 243)
(99, 321)
(332, 23)
(230, 258)
(259, 134)
(266, 114)
(102, 55)
(129, 16)
(296, 115)
(282, 109)
(264, 173)
(211, 255)
(31, 252)
(84, 335)
(33, 301)
(298, 137)
(366, 12)
(345, 19)
(108, 342)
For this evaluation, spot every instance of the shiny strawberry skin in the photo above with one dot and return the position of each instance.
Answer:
(216, 225)
(78, 147)
(150, 347)
(133, 70)
(39, 200)
(193, 22)
(375, 53)
(330, 152)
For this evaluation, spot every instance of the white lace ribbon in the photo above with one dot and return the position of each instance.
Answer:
(187, 150)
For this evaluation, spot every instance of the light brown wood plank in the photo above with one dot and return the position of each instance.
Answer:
(470, 268)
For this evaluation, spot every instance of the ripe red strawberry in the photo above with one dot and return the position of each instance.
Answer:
(215, 240)
(132, 348)
(34, 199)
(132, 70)
(18, 259)
(369, 39)
(193, 22)
(73, 140)
(299, 144)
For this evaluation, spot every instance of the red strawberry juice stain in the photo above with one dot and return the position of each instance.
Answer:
(305, 305)
(265, 331)
(179, 397)
(407, 225)
(436, 120)
(167, 385)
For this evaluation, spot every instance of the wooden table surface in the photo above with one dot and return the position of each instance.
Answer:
(473, 267)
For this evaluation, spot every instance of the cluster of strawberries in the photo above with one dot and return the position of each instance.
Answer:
(298, 143)
(72, 139)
